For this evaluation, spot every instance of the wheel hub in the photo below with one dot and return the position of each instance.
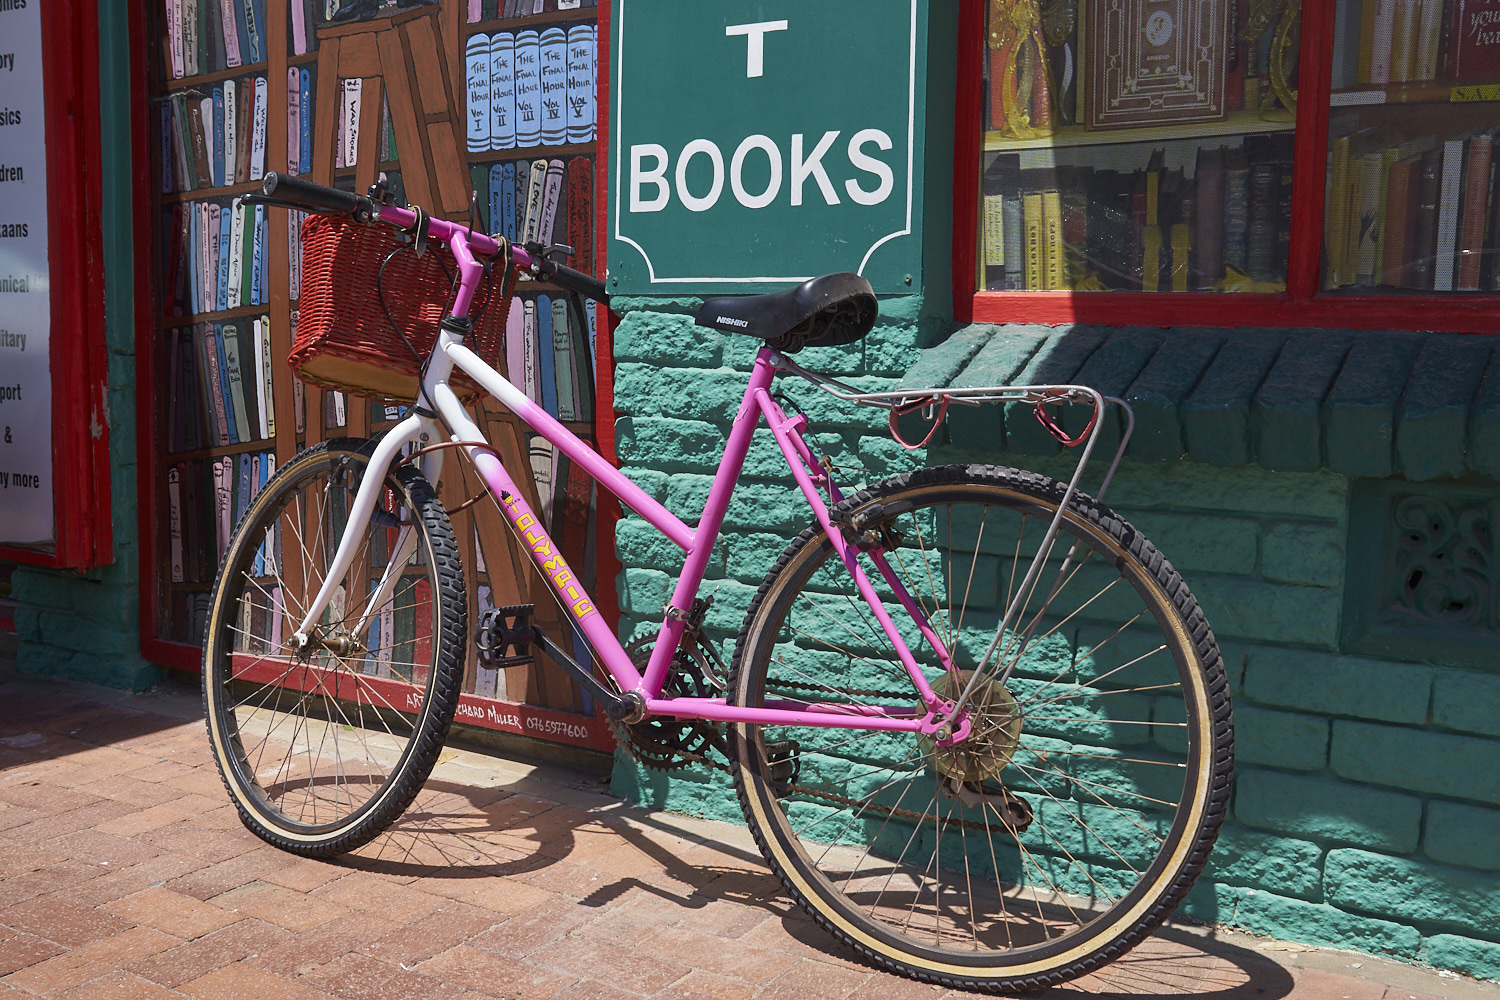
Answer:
(994, 731)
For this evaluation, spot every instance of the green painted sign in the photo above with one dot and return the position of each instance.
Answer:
(757, 144)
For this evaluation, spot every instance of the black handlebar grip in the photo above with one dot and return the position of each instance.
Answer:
(284, 187)
(584, 284)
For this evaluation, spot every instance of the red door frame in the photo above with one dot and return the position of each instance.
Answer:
(1301, 305)
(83, 533)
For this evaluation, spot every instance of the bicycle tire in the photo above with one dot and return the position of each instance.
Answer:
(357, 732)
(1012, 902)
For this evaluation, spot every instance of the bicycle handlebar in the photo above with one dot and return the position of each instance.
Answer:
(315, 197)
(295, 192)
(575, 281)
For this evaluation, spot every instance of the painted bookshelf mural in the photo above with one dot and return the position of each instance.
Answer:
(489, 100)
(1411, 202)
(1137, 145)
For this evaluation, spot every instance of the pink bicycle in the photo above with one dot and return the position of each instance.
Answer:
(976, 722)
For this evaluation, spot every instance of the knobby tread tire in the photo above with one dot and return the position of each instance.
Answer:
(441, 700)
(1221, 748)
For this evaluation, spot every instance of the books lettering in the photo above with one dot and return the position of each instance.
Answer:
(551, 192)
(502, 90)
(349, 122)
(582, 116)
(528, 78)
(305, 87)
(293, 123)
(554, 82)
(536, 185)
(478, 107)
(258, 131)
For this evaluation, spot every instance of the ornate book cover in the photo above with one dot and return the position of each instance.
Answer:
(1154, 62)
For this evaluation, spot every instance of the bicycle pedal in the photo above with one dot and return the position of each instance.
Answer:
(505, 636)
(784, 764)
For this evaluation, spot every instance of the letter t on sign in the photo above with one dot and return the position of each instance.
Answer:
(755, 62)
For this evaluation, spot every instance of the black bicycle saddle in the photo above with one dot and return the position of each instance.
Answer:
(820, 312)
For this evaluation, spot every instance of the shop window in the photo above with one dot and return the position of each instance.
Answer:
(1329, 163)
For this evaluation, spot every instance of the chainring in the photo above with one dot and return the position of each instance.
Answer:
(666, 744)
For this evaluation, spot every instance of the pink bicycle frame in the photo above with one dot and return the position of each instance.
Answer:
(696, 543)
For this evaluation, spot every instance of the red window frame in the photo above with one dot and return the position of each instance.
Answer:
(83, 535)
(1301, 305)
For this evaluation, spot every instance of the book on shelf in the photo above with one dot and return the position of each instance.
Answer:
(563, 361)
(1054, 266)
(1208, 237)
(528, 87)
(1147, 63)
(478, 109)
(305, 93)
(1474, 40)
(552, 192)
(581, 89)
(502, 90)
(552, 99)
(515, 344)
(347, 148)
(530, 370)
(207, 36)
(217, 140)
(536, 183)
(293, 123)
(1449, 191)
(580, 212)
(303, 38)
(546, 368)
(992, 227)
(1474, 203)
(1402, 183)
(1035, 241)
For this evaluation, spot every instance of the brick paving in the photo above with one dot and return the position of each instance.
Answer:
(124, 874)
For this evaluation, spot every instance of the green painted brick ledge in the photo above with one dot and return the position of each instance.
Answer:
(1374, 404)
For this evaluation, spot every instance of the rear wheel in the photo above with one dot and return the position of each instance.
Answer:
(324, 748)
(1084, 803)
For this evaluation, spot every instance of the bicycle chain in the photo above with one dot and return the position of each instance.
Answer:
(622, 735)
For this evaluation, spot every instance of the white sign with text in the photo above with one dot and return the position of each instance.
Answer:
(25, 306)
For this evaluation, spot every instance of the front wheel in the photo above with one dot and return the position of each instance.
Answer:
(1081, 808)
(321, 749)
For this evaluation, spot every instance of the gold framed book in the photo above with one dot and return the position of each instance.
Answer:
(1154, 62)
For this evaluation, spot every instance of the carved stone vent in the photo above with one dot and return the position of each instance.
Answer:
(1423, 575)
(1442, 562)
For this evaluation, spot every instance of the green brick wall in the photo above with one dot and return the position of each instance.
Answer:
(84, 625)
(1367, 805)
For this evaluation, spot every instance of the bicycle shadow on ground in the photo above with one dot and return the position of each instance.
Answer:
(458, 831)
(1176, 961)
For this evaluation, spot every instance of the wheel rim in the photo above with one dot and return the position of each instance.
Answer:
(1105, 776)
(312, 742)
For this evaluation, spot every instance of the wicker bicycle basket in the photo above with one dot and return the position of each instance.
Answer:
(344, 338)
